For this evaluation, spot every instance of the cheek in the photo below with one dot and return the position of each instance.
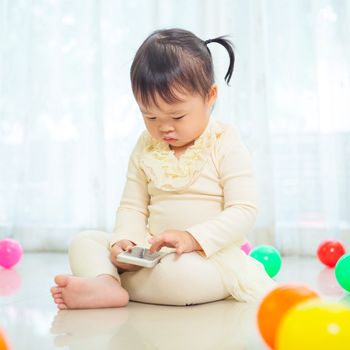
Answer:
(147, 123)
(152, 128)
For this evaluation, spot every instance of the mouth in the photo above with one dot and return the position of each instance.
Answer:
(169, 139)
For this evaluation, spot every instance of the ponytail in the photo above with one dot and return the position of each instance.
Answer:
(227, 44)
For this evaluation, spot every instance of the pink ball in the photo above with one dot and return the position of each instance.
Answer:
(10, 252)
(246, 247)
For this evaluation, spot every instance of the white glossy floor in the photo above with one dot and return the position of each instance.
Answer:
(31, 320)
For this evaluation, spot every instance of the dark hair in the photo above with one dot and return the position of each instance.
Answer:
(175, 60)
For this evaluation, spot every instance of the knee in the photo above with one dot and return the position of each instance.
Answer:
(83, 235)
(87, 236)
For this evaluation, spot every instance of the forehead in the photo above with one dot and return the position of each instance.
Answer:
(160, 106)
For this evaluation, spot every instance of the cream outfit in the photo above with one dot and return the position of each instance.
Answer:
(210, 192)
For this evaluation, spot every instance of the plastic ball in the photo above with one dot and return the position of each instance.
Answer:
(269, 257)
(342, 271)
(246, 247)
(10, 252)
(329, 252)
(315, 324)
(4, 345)
(276, 304)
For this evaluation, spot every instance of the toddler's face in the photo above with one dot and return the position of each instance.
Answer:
(179, 124)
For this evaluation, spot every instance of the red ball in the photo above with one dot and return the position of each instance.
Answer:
(329, 252)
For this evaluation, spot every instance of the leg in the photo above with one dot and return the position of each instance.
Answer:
(177, 280)
(96, 282)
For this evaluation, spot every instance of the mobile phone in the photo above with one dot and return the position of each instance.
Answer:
(141, 257)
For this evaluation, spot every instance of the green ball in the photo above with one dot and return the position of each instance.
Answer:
(342, 271)
(269, 257)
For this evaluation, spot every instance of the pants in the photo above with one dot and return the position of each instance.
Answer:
(177, 280)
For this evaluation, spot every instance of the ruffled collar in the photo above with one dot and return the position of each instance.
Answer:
(169, 173)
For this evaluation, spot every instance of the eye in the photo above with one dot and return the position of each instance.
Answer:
(151, 118)
(178, 118)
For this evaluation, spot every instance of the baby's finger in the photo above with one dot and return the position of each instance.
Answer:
(115, 250)
(157, 245)
(165, 241)
(126, 245)
(180, 248)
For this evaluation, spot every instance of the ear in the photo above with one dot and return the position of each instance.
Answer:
(212, 95)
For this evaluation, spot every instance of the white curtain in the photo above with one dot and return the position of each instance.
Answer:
(68, 120)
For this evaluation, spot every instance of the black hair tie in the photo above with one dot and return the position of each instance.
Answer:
(208, 41)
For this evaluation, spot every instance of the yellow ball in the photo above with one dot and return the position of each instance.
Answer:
(315, 325)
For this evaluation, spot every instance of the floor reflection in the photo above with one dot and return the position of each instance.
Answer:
(10, 282)
(220, 325)
(328, 284)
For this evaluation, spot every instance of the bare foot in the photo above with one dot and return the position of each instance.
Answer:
(88, 293)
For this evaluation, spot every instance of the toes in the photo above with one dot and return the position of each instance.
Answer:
(61, 280)
(55, 290)
(58, 301)
(62, 306)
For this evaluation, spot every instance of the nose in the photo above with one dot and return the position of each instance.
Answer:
(166, 128)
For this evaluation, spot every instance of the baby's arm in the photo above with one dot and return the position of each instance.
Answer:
(240, 197)
(132, 214)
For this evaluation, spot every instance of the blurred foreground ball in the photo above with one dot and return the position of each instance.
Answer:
(276, 304)
(10, 252)
(315, 324)
(342, 272)
(329, 252)
(269, 257)
(4, 345)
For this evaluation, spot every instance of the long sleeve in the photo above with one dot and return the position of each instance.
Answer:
(132, 213)
(240, 197)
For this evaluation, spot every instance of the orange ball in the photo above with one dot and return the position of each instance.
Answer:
(275, 305)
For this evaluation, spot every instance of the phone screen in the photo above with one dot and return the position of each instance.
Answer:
(142, 253)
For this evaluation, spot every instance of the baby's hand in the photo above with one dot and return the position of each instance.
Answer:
(119, 247)
(183, 241)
